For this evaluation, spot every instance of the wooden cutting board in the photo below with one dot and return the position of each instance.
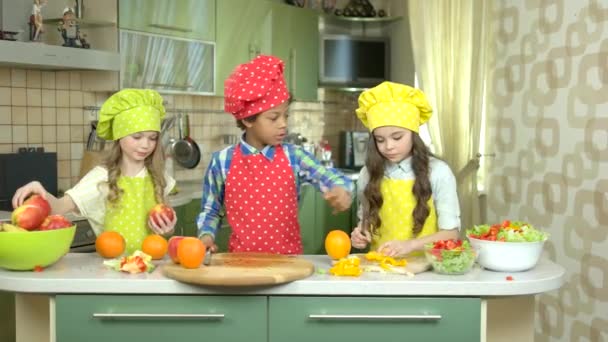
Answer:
(243, 269)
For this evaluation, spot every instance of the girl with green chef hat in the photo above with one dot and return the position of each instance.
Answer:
(117, 195)
(408, 197)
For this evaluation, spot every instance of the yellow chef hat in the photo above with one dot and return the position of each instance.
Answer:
(393, 104)
(129, 111)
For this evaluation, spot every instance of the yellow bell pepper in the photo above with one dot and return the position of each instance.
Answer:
(347, 267)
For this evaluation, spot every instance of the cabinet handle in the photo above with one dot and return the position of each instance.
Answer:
(170, 28)
(375, 317)
(145, 316)
(169, 85)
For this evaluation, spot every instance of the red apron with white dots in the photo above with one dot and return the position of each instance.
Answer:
(262, 204)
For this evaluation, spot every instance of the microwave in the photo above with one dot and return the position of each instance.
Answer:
(353, 149)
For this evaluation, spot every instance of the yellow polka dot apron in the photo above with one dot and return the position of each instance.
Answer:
(396, 213)
(262, 204)
(129, 216)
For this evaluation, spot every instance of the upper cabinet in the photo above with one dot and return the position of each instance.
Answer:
(193, 19)
(249, 28)
(168, 45)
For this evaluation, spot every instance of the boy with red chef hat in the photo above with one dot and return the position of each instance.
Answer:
(256, 182)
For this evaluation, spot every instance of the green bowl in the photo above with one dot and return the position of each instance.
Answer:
(24, 251)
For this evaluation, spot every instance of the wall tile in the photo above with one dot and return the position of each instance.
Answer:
(34, 97)
(62, 80)
(18, 78)
(49, 134)
(34, 115)
(76, 116)
(5, 77)
(76, 151)
(34, 134)
(6, 148)
(49, 98)
(63, 116)
(63, 134)
(49, 116)
(49, 147)
(63, 150)
(74, 170)
(63, 168)
(19, 115)
(33, 79)
(75, 83)
(76, 135)
(5, 96)
(48, 80)
(62, 98)
(64, 184)
(6, 134)
(19, 134)
(88, 98)
(75, 99)
(18, 97)
(5, 115)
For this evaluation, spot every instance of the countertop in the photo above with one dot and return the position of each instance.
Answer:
(85, 273)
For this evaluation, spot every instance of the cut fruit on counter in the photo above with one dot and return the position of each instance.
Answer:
(138, 262)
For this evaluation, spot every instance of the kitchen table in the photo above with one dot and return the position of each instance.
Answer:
(79, 299)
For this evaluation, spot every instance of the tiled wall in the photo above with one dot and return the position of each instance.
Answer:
(47, 108)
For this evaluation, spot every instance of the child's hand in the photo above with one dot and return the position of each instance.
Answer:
(165, 225)
(360, 238)
(398, 248)
(209, 243)
(338, 198)
(25, 191)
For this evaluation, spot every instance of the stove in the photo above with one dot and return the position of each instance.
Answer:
(84, 238)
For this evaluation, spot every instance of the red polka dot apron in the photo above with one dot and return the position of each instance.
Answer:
(262, 204)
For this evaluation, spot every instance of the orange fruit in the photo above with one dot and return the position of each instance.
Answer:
(337, 244)
(110, 244)
(155, 246)
(190, 252)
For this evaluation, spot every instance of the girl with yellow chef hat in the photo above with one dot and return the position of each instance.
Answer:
(408, 197)
(118, 195)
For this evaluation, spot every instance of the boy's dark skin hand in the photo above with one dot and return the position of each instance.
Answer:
(338, 198)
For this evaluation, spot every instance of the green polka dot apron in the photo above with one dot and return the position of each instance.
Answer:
(396, 213)
(129, 216)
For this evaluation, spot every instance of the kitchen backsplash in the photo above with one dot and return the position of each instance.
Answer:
(47, 108)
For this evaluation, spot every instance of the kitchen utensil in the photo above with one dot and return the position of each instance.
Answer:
(195, 157)
(207, 260)
(183, 150)
(24, 251)
(243, 269)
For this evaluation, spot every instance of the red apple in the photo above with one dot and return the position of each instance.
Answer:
(161, 208)
(28, 216)
(55, 222)
(173, 242)
(38, 201)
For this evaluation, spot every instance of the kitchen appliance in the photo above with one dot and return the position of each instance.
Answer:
(351, 61)
(18, 169)
(353, 149)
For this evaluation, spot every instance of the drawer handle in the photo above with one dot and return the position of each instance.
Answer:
(145, 316)
(171, 28)
(375, 317)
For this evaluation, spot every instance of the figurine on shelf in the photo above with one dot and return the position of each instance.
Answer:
(70, 30)
(36, 27)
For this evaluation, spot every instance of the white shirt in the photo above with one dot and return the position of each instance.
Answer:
(90, 196)
(443, 186)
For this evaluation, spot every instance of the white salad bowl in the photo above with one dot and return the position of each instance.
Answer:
(507, 256)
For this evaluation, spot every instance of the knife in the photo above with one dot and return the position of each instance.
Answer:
(207, 260)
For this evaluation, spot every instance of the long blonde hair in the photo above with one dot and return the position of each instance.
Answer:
(155, 164)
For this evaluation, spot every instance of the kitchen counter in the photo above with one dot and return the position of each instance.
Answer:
(84, 273)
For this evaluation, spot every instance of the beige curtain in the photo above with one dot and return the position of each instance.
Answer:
(452, 40)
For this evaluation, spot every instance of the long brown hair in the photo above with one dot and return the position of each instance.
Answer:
(155, 164)
(372, 200)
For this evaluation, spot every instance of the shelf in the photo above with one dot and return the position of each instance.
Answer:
(43, 56)
(362, 19)
(84, 23)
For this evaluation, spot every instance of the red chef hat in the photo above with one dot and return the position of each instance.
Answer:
(255, 86)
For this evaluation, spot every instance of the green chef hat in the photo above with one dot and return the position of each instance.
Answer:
(130, 111)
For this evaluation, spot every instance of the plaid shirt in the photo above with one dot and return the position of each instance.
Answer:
(306, 168)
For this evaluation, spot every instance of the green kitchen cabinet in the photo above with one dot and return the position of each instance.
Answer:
(192, 19)
(179, 225)
(102, 318)
(7, 316)
(192, 210)
(244, 30)
(367, 319)
(249, 28)
(295, 39)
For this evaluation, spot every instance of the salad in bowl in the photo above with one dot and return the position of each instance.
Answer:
(450, 256)
(507, 231)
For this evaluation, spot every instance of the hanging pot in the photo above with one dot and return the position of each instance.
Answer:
(185, 152)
